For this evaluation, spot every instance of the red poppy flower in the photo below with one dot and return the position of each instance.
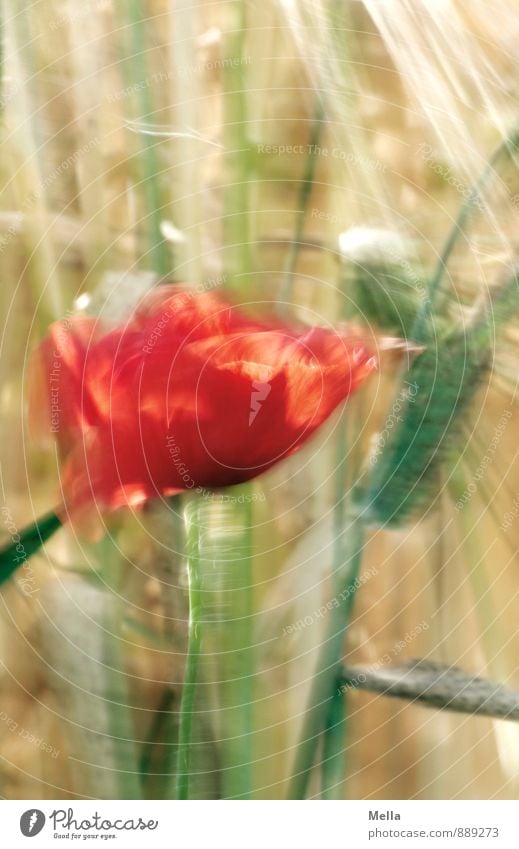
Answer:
(191, 392)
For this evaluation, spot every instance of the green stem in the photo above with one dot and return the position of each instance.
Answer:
(474, 197)
(237, 213)
(332, 767)
(329, 661)
(333, 762)
(193, 658)
(137, 79)
(305, 189)
(220, 593)
(234, 549)
(235, 644)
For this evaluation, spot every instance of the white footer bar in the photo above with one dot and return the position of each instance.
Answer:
(261, 825)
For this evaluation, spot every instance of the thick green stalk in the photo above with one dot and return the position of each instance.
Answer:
(330, 658)
(237, 656)
(220, 596)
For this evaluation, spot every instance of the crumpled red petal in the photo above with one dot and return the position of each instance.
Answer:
(190, 392)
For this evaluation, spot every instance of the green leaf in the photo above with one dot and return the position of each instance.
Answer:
(25, 543)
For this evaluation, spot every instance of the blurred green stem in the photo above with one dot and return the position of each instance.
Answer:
(137, 78)
(474, 199)
(347, 468)
(193, 655)
(234, 547)
(236, 646)
(237, 213)
(329, 663)
(219, 552)
(332, 765)
(333, 760)
(305, 189)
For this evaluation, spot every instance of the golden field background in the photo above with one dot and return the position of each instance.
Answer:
(143, 143)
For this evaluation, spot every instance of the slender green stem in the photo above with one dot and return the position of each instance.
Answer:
(305, 189)
(234, 550)
(137, 78)
(330, 658)
(237, 220)
(192, 662)
(333, 761)
(332, 765)
(471, 202)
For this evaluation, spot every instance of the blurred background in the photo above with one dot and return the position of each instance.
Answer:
(307, 155)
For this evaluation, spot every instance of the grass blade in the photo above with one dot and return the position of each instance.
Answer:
(25, 543)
